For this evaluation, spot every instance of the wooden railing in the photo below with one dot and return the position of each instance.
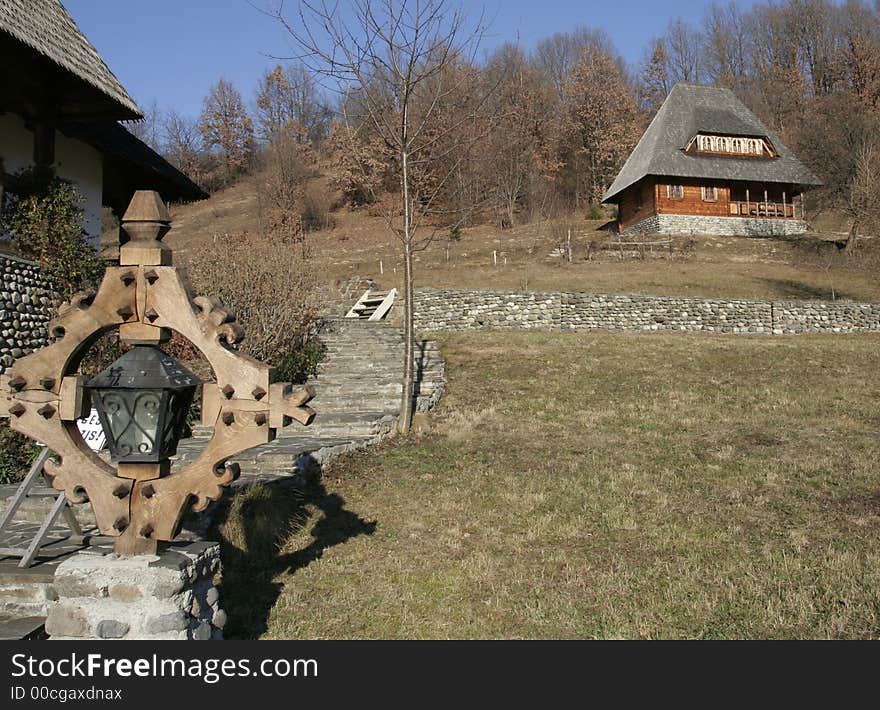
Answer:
(778, 210)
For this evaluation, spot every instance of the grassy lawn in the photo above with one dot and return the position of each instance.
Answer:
(714, 267)
(590, 486)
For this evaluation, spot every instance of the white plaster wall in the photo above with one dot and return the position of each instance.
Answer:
(75, 161)
(81, 164)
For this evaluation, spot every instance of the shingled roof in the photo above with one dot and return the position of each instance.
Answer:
(45, 26)
(690, 109)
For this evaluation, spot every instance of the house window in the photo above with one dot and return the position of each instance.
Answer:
(675, 192)
(710, 194)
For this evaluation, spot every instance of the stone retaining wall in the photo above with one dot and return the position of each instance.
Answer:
(155, 597)
(453, 309)
(25, 308)
(682, 224)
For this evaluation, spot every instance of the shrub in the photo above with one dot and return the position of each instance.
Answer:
(272, 290)
(595, 212)
(46, 226)
(316, 207)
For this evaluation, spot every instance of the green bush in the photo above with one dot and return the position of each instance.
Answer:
(46, 225)
(595, 212)
(298, 366)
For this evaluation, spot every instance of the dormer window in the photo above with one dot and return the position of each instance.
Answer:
(732, 145)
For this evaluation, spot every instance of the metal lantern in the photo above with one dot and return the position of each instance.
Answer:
(142, 400)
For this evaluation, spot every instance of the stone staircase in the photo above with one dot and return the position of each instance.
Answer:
(357, 399)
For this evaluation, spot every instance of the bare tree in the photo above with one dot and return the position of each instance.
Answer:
(557, 56)
(654, 85)
(684, 47)
(521, 107)
(726, 45)
(603, 119)
(182, 141)
(289, 94)
(397, 63)
(148, 130)
(863, 205)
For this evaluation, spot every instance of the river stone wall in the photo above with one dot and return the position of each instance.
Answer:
(25, 308)
(455, 309)
(686, 225)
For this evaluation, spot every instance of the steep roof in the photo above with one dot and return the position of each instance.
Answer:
(45, 26)
(690, 109)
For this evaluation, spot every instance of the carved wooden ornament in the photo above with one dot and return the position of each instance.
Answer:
(145, 298)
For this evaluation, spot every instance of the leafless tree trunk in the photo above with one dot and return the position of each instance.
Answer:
(864, 193)
(397, 63)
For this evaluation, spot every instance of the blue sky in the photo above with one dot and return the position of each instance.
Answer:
(173, 50)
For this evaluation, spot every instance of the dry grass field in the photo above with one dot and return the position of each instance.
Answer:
(812, 267)
(661, 486)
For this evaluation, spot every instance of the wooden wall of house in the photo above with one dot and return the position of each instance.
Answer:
(636, 203)
(651, 196)
(692, 202)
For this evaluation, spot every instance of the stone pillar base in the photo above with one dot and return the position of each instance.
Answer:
(155, 597)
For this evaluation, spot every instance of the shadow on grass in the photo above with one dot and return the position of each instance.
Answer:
(252, 531)
(798, 290)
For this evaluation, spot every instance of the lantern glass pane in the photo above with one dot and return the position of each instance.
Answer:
(134, 419)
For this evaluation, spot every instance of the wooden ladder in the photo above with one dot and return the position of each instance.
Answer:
(29, 489)
(373, 305)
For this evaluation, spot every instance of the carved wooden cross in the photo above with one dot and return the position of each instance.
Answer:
(146, 298)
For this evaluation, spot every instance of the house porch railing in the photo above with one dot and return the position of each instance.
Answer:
(766, 209)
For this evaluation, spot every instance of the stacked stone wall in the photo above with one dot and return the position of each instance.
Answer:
(26, 300)
(455, 309)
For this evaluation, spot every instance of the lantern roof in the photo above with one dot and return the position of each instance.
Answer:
(145, 367)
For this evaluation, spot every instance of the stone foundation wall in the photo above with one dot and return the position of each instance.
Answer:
(155, 597)
(685, 225)
(453, 309)
(25, 308)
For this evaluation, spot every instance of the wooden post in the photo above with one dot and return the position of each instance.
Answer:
(766, 206)
(784, 207)
(748, 204)
(145, 296)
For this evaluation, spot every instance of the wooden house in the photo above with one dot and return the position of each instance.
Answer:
(708, 165)
(60, 107)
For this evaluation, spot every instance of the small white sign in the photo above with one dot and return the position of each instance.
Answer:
(92, 431)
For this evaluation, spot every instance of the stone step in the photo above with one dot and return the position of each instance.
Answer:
(22, 628)
(349, 359)
(324, 382)
(363, 343)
